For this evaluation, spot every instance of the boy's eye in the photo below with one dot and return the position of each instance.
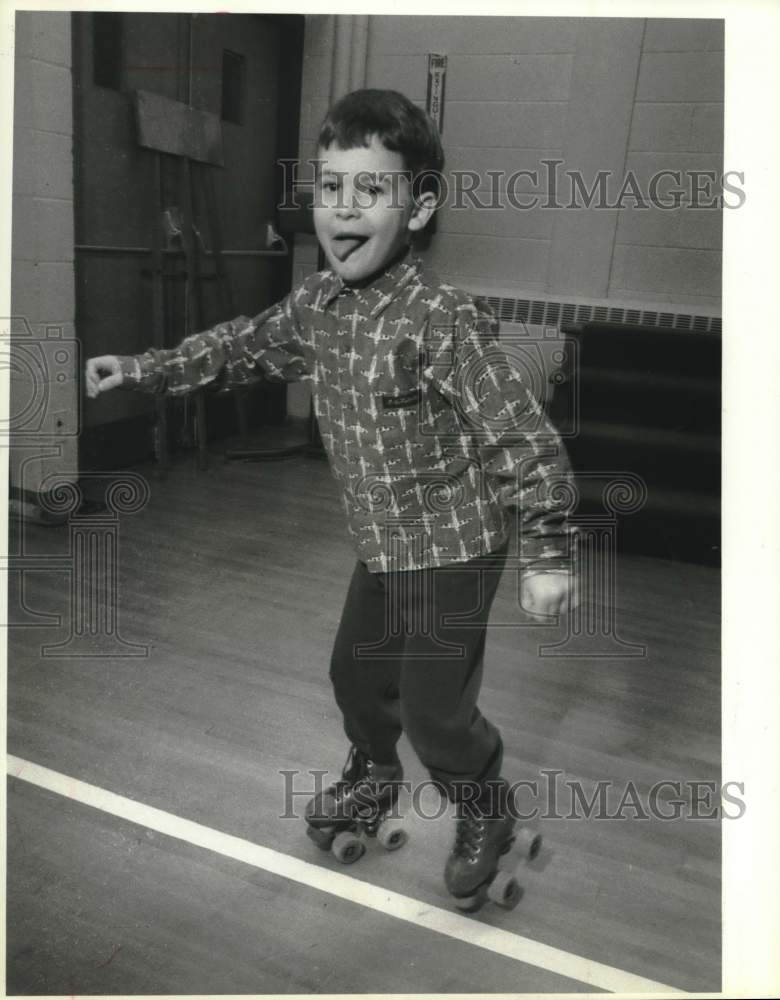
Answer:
(330, 186)
(368, 185)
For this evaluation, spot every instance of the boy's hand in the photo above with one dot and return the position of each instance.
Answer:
(546, 594)
(102, 374)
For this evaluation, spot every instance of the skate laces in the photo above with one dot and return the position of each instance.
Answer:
(355, 766)
(358, 774)
(370, 783)
(470, 832)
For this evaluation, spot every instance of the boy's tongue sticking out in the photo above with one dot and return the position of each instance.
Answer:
(343, 246)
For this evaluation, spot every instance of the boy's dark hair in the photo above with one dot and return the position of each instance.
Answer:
(399, 125)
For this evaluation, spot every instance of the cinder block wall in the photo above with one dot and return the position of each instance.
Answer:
(599, 94)
(507, 87)
(44, 362)
(677, 123)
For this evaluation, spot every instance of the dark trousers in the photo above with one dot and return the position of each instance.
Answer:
(408, 656)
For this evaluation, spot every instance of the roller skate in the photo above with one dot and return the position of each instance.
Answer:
(485, 857)
(342, 817)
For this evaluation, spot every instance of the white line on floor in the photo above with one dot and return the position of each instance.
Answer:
(393, 904)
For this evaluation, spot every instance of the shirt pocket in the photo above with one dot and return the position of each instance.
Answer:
(400, 430)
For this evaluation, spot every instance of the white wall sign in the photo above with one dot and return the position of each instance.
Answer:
(437, 69)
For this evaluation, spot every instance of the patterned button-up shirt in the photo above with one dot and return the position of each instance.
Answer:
(429, 426)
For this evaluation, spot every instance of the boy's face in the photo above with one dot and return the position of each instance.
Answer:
(364, 211)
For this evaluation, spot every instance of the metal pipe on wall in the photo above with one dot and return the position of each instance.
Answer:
(359, 59)
(350, 53)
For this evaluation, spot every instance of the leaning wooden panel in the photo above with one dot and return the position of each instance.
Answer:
(173, 127)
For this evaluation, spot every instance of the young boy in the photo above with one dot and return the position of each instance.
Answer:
(432, 436)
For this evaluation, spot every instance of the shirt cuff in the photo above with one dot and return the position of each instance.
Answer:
(135, 375)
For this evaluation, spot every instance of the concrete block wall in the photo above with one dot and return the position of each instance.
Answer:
(44, 360)
(677, 124)
(613, 94)
(507, 87)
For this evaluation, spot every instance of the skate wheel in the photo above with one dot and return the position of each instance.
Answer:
(505, 891)
(322, 838)
(347, 848)
(470, 904)
(529, 843)
(391, 834)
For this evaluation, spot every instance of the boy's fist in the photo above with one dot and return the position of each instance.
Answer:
(545, 594)
(102, 374)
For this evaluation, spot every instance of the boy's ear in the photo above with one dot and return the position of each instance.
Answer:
(424, 207)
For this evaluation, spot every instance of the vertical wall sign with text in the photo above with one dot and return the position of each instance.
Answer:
(437, 70)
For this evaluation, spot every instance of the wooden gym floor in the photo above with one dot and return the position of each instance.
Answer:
(148, 851)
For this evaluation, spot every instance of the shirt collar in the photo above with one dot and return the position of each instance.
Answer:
(377, 295)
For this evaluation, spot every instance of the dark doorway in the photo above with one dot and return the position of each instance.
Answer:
(246, 70)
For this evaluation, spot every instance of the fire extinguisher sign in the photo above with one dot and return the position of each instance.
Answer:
(437, 70)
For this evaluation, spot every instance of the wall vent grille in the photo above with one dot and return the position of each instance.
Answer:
(546, 312)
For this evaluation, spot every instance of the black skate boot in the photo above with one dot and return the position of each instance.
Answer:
(484, 833)
(355, 807)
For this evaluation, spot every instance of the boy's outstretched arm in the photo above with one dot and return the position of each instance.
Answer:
(227, 355)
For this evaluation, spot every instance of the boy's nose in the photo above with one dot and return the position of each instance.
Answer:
(349, 204)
